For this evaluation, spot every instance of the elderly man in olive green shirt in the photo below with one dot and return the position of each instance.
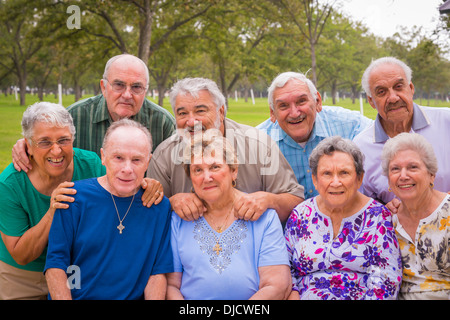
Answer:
(124, 84)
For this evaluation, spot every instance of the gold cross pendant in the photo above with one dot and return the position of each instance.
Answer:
(120, 227)
(217, 248)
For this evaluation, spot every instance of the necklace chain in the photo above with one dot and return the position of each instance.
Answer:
(217, 247)
(221, 228)
(121, 226)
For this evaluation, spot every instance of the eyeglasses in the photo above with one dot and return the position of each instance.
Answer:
(46, 144)
(120, 87)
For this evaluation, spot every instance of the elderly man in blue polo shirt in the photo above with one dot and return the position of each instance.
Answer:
(389, 89)
(298, 122)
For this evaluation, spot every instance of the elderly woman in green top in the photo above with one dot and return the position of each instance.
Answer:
(29, 199)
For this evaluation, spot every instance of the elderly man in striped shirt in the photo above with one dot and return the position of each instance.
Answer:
(124, 84)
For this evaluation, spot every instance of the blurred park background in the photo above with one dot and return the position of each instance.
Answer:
(56, 51)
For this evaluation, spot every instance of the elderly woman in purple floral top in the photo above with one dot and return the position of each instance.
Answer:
(342, 244)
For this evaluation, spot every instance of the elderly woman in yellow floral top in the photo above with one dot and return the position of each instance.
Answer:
(423, 219)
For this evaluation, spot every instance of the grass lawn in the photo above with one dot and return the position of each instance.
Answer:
(240, 111)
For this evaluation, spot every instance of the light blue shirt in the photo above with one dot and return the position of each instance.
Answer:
(224, 266)
(331, 121)
(432, 123)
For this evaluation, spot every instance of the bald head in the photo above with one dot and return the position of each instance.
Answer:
(126, 60)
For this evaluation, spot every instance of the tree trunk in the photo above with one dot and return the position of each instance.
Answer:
(22, 75)
(145, 31)
(313, 63)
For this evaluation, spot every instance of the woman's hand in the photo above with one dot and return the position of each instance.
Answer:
(61, 195)
(153, 192)
(20, 157)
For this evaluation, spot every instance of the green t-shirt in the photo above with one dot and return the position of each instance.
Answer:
(22, 206)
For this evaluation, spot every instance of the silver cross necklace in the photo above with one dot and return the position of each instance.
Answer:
(120, 227)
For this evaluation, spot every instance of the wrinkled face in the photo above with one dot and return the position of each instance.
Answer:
(128, 72)
(337, 181)
(126, 157)
(408, 175)
(295, 109)
(52, 161)
(212, 178)
(198, 112)
(392, 95)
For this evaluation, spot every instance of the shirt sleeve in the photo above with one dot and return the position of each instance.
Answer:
(13, 218)
(291, 239)
(276, 166)
(164, 257)
(60, 239)
(176, 220)
(158, 170)
(385, 270)
(273, 247)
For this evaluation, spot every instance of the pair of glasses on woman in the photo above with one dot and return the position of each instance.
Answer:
(47, 144)
(120, 87)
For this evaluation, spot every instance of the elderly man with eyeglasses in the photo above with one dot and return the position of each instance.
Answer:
(124, 84)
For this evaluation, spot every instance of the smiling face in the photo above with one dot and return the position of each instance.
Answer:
(392, 95)
(295, 109)
(53, 161)
(126, 157)
(128, 71)
(336, 180)
(191, 112)
(408, 175)
(212, 178)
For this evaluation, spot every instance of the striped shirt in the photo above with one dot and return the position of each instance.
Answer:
(92, 119)
(331, 121)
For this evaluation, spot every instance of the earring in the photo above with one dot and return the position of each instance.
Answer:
(233, 183)
(192, 190)
(389, 189)
(432, 185)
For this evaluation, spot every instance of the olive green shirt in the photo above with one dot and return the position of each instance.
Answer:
(92, 119)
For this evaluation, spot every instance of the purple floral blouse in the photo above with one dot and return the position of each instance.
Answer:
(362, 262)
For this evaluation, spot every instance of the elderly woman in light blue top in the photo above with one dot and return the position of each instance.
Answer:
(219, 257)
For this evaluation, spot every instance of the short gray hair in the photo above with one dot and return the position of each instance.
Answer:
(110, 62)
(211, 142)
(47, 112)
(281, 80)
(380, 62)
(193, 86)
(336, 143)
(409, 141)
(125, 122)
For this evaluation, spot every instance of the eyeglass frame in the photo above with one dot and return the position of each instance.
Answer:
(125, 88)
(52, 143)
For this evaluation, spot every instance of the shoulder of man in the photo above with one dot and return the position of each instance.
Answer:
(237, 130)
(153, 107)
(343, 114)
(165, 147)
(435, 110)
(85, 103)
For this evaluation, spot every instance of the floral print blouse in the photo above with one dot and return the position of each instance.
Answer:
(361, 262)
(426, 259)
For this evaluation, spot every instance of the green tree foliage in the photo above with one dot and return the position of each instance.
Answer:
(241, 44)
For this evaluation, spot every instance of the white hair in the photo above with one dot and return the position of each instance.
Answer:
(409, 141)
(281, 80)
(47, 112)
(380, 62)
(193, 86)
